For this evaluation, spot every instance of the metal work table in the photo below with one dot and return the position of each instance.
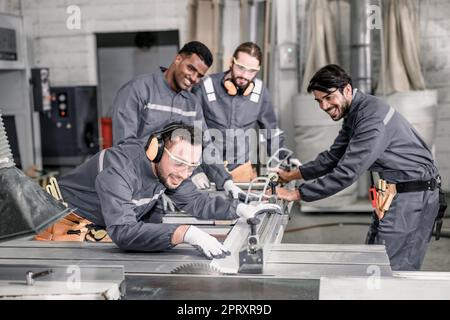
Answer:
(289, 271)
(283, 260)
(196, 287)
(68, 282)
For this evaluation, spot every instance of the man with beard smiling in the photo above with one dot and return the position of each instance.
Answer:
(235, 102)
(377, 138)
(119, 187)
(149, 102)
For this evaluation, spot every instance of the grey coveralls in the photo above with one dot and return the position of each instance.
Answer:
(223, 112)
(375, 137)
(117, 189)
(147, 104)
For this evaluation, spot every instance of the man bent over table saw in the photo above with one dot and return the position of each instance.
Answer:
(119, 187)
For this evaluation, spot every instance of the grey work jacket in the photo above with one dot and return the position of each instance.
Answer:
(373, 137)
(117, 189)
(147, 104)
(223, 112)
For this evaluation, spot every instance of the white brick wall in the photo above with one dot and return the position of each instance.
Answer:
(435, 57)
(434, 16)
(10, 6)
(71, 54)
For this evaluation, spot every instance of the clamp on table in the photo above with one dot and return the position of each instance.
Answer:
(251, 258)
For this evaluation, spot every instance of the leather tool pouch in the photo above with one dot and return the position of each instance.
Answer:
(385, 194)
(74, 228)
(70, 228)
(243, 173)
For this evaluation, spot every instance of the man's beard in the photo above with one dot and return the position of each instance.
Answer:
(343, 110)
(163, 180)
(235, 79)
(177, 84)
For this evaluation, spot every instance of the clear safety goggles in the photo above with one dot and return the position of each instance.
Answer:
(180, 163)
(244, 68)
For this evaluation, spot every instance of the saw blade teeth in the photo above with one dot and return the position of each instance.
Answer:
(196, 268)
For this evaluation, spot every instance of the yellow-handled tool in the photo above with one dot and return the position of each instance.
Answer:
(53, 189)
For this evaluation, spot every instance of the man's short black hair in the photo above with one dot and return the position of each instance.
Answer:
(329, 77)
(199, 49)
(183, 131)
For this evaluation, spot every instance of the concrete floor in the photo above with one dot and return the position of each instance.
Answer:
(353, 230)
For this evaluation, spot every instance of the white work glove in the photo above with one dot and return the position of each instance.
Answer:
(295, 162)
(232, 189)
(207, 244)
(251, 210)
(167, 203)
(201, 181)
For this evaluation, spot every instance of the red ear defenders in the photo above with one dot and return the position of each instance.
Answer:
(155, 144)
(232, 90)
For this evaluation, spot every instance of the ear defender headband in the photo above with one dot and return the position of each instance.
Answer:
(155, 144)
(232, 90)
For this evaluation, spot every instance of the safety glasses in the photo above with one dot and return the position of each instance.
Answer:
(180, 163)
(244, 68)
(327, 97)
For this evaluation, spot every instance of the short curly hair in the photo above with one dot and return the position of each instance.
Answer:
(199, 49)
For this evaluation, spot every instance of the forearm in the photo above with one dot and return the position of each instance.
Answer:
(322, 165)
(288, 195)
(297, 174)
(287, 176)
(211, 207)
(201, 204)
(178, 235)
(327, 160)
(140, 236)
(216, 173)
(359, 156)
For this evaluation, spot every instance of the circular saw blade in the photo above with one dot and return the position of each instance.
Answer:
(196, 268)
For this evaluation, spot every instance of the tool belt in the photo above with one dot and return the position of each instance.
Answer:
(430, 185)
(73, 228)
(416, 186)
(381, 197)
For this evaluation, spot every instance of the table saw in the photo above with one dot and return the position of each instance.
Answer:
(260, 265)
(85, 270)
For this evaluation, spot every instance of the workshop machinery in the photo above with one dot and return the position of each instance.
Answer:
(15, 91)
(69, 129)
(260, 266)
